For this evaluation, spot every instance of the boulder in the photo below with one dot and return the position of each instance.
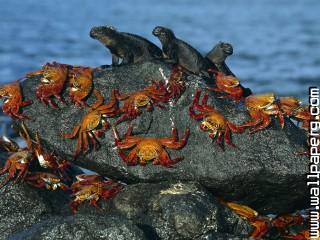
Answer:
(22, 206)
(83, 227)
(263, 172)
(179, 210)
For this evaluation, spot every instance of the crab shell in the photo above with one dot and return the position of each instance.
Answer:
(264, 102)
(213, 122)
(289, 104)
(13, 100)
(80, 81)
(141, 99)
(148, 149)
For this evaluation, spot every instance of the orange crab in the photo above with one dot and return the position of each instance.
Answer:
(149, 149)
(293, 108)
(54, 76)
(45, 180)
(176, 84)
(260, 224)
(215, 123)
(260, 108)
(150, 96)
(51, 161)
(94, 119)
(92, 188)
(13, 100)
(18, 162)
(81, 83)
(229, 85)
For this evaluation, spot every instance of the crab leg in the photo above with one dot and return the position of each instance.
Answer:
(235, 128)
(131, 159)
(73, 133)
(219, 140)
(196, 116)
(173, 142)
(94, 141)
(266, 120)
(165, 160)
(227, 137)
(256, 118)
(79, 145)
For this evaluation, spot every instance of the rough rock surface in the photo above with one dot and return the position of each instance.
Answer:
(164, 211)
(83, 227)
(173, 211)
(22, 206)
(262, 172)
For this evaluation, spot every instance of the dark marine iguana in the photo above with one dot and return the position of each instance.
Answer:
(180, 52)
(129, 47)
(217, 57)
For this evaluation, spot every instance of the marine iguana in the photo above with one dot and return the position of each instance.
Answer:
(180, 52)
(129, 47)
(218, 55)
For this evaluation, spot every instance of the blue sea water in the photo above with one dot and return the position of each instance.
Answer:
(276, 42)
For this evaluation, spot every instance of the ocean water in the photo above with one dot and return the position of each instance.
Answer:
(276, 42)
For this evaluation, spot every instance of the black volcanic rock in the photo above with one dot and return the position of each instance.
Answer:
(263, 172)
(180, 210)
(83, 227)
(22, 206)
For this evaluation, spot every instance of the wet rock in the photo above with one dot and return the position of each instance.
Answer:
(22, 206)
(222, 236)
(173, 211)
(262, 172)
(83, 227)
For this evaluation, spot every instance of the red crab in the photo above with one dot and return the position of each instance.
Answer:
(45, 180)
(215, 123)
(176, 84)
(92, 188)
(229, 85)
(81, 83)
(149, 149)
(54, 76)
(13, 100)
(150, 96)
(260, 108)
(260, 224)
(51, 161)
(94, 123)
(18, 162)
(293, 108)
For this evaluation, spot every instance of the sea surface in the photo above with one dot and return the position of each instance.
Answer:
(276, 42)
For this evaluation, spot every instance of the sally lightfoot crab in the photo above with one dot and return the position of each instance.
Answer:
(17, 164)
(45, 180)
(54, 76)
(144, 149)
(228, 85)
(13, 100)
(213, 122)
(81, 83)
(150, 96)
(261, 107)
(90, 187)
(176, 83)
(293, 108)
(94, 123)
